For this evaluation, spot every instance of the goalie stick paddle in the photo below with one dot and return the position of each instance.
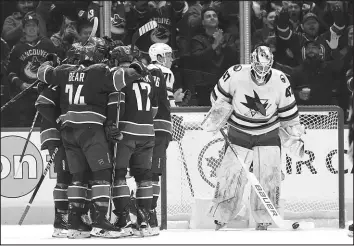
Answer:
(262, 195)
(38, 186)
(141, 31)
(19, 95)
(27, 140)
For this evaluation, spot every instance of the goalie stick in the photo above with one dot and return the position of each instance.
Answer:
(141, 31)
(262, 195)
(38, 185)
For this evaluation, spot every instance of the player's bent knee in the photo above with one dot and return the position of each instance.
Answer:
(81, 177)
(62, 185)
(141, 174)
(64, 178)
(155, 178)
(102, 175)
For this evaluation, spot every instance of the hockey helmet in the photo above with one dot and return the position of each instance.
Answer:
(93, 52)
(163, 50)
(261, 63)
(123, 53)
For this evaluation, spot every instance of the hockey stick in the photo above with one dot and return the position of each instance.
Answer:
(27, 140)
(141, 31)
(38, 186)
(185, 167)
(115, 156)
(19, 95)
(94, 30)
(258, 189)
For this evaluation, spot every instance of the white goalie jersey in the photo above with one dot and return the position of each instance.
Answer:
(257, 109)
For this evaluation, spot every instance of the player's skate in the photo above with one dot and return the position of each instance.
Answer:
(101, 227)
(76, 227)
(350, 233)
(124, 222)
(154, 225)
(60, 224)
(142, 229)
(219, 225)
(262, 226)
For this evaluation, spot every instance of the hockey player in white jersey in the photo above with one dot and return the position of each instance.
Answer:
(264, 117)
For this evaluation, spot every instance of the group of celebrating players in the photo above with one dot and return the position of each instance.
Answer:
(103, 113)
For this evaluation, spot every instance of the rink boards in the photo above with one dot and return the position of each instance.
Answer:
(16, 191)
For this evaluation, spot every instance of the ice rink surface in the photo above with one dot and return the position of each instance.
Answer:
(41, 234)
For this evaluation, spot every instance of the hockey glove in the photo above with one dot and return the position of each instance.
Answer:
(290, 138)
(113, 134)
(140, 68)
(52, 57)
(41, 86)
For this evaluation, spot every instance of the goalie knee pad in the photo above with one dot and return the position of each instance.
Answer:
(121, 191)
(144, 194)
(267, 169)
(229, 195)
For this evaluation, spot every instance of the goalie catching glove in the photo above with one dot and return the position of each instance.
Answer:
(113, 134)
(290, 138)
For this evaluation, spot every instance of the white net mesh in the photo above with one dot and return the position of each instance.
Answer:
(310, 187)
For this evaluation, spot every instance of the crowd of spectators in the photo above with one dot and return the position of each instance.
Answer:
(312, 42)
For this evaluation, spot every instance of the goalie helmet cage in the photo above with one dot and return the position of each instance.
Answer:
(310, 191)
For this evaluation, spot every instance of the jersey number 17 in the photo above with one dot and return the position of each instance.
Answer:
(140, 91)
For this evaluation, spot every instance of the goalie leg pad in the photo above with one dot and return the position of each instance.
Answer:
(231, 180)
(267, 169)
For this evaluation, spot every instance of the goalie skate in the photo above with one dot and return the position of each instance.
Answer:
(219, 225)
(262, 226)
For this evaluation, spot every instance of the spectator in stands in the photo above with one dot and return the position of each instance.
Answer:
(25, 58)
(292, 41)
(166, 13)
(267, 33)
(213, 50)
(12, 30)
(67, 35)
(5, 87)
(312, 81)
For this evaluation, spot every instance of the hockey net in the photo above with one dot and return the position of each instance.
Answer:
(312, 188)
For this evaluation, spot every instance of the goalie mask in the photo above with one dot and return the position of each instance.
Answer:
(163, 50)
(261, 63)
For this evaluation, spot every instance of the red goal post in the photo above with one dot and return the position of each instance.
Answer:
(313, 189)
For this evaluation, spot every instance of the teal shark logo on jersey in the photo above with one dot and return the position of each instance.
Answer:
(256, 105)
